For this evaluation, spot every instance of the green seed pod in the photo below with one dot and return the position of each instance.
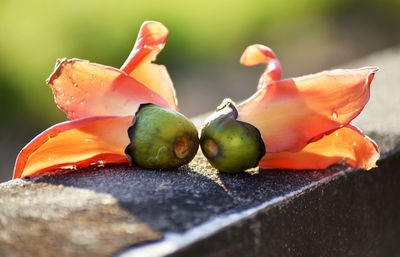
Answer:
(161, 138)
(231, 145)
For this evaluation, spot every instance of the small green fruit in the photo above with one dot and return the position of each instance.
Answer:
(228, 144)
(161, 138)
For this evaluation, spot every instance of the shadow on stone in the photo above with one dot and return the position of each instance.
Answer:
(178, 200)
(165, 200)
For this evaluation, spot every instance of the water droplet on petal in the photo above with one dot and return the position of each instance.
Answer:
(67, 101)
(87, 140)
(334, 115)
(75, 84)
(336, 134)
(100, 164)
(81, 102)
(50, 159)
(62, 94)
(354, 143)
(72, 97)
(73, 76)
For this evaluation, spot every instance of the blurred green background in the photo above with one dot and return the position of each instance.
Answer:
(202, 52)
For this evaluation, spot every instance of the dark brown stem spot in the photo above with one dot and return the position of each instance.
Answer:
(182, 147)
(210, 147)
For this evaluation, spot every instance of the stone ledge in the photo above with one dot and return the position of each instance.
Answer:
(351, 214)
(40, 219)
(344, 212)
(199, 212)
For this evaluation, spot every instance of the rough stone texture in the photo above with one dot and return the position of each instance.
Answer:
(100, 211)
(38, 219)
(178, 200)
(353, 213)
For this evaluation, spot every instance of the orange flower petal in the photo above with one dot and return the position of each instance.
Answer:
(260, 54)
(294, 112)
(149, 43)
(347, 143)
(79, 143)
(82, 89)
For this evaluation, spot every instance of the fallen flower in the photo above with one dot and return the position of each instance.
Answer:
(100, 102)
(305, 122)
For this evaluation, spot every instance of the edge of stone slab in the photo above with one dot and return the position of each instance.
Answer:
(174, 241)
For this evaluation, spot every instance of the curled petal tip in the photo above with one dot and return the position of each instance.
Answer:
(149, 43)
(153, 36)
(139, 64)
(257, 54)
(372, 68)
(260, 54)
(372, 74)
(158, 30)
